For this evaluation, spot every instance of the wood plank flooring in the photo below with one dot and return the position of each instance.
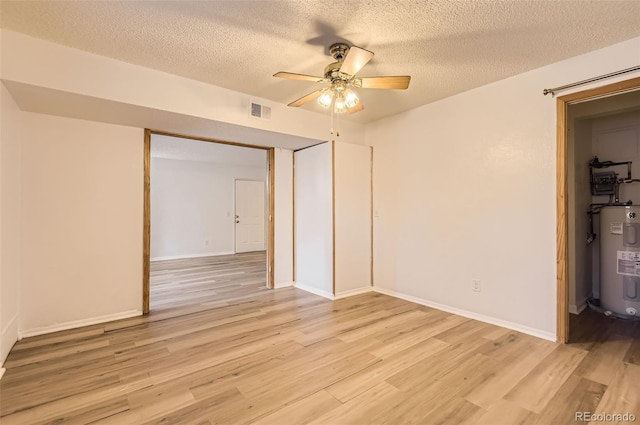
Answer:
(228, 351)
(207, 281)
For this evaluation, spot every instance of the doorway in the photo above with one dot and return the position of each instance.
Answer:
(192, 227)
(567, 216)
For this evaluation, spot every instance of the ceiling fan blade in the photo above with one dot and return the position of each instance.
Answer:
(398, 83)
(357, 108)
(355, 60)
(302, 77)
(307, 98)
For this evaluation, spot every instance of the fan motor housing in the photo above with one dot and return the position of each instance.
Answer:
(332, 71)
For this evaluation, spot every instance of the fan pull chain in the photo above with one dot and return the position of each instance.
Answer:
(333, 100)
(332, 120)
(337, 119)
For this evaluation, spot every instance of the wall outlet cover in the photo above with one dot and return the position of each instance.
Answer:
(476, 285)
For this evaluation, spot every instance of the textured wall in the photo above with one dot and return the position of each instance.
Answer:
(464, 188)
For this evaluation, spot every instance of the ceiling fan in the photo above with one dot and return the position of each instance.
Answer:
(341, 75)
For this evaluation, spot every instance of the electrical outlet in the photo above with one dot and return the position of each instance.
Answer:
(476, 285)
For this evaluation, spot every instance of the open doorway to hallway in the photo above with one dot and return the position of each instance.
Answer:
(208, 222)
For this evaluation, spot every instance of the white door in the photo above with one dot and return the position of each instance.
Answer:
(249, 216)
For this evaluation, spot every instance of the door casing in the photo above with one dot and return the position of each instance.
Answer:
(562, 203)
(146, 227)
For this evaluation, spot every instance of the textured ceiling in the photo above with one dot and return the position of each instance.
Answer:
(167, 147)
(447, 46)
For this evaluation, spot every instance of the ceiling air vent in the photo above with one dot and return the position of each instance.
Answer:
(260, 111)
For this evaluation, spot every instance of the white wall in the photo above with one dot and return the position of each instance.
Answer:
(352, 188)
(81, 223)
(579, 154)
(465, 188)
(283, 221)
(193, 206)
(313, 211)
(47, 65)
(10, 153)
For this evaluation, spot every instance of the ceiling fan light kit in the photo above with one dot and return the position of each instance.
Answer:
(340, 97)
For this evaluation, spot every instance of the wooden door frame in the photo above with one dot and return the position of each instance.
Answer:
(562, 202)
(146, 228)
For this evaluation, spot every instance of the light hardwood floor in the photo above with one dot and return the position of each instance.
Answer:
(208, 281)
(242, 354)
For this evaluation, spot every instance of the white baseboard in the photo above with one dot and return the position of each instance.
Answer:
(78, 323)
(283, 285)
(13, 322)
(183, 257)
(9, 336)
(471, 315)
(315, 291)
(352, 292)
(578, 307)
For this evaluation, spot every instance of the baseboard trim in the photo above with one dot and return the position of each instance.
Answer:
(12, 322)
(352, 292)
(315, 291)
(78, 323)
(184, 257)
(283, 285)
(9, 337)
(578, 308)
(471, 315)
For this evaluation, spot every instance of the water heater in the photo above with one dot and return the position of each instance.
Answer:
(620, 259)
